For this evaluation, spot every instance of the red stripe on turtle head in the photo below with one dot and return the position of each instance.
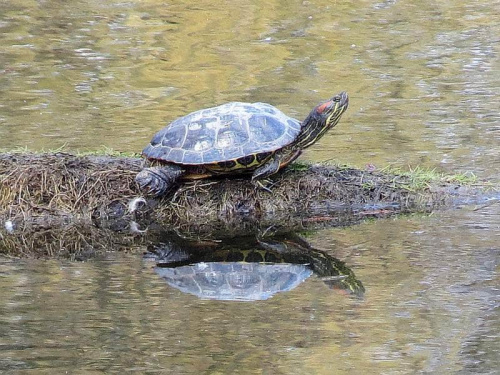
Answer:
(322, 107)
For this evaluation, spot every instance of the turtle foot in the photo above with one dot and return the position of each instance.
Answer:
(263, 184)
(156, 181)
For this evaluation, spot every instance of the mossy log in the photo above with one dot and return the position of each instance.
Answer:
(57, 191)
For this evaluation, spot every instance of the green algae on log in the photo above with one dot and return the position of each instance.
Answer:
(41, 191)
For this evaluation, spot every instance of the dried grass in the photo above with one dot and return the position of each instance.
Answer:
(72, 196)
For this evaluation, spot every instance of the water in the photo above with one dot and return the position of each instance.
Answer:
(424, 85)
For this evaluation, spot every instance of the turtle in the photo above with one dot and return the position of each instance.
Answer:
(234, 281)
(233, 138)
(246, 268)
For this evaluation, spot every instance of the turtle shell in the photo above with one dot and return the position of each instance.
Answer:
(230, 131)
(235, 281)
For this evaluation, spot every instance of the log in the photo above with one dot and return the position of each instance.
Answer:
(51, 192)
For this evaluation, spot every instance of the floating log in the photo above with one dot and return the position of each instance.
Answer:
(57, 191)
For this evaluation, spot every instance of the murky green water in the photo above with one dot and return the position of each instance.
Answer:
(424, 82)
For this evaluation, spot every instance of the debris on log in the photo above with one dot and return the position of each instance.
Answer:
(57, 191)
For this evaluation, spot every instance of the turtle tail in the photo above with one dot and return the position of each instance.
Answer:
(156, 181)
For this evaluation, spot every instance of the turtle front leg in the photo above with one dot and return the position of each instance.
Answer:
(156, 181)
(272, 166)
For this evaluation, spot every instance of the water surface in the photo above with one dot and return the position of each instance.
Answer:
(424, 81)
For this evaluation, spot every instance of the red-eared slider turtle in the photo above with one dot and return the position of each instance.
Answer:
(246, 269)
(232, 138)
(235, 281)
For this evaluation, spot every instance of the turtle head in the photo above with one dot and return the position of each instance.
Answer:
(331, 110)
(323, 117)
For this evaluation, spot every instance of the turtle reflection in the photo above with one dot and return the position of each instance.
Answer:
(247, 269)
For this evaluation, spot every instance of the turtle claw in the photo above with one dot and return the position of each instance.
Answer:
(264, 184)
